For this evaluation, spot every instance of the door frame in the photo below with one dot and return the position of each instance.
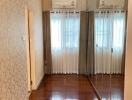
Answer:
(30, 49)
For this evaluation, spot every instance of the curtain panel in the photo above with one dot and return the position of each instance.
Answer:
(109, 41)
(65, 28)
(124, 50)
(90, 43)
(83, 43)
(47, 43)
(86, 51)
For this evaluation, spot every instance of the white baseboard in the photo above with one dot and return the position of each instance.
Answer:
(39, 82)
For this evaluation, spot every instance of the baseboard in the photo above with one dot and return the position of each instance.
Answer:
(38, 84)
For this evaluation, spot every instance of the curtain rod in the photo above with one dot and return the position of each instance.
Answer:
(110, 10)
(64, 11)
(107, 10)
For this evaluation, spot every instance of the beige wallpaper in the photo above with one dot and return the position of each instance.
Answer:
(13, 79)
(13, 67)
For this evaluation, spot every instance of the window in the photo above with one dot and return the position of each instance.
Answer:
(109, 30)
(65, 29)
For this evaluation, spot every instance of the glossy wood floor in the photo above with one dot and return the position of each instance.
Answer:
(64, 87)
(109, 87)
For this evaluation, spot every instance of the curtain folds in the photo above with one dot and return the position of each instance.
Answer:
(124, 50)
(83, 43)
(65, 28)
(109, 41)
(86, 53)
(90, 43)
(47, 43)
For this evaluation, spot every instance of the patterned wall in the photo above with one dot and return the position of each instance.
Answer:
(13, 69)
(13, 79)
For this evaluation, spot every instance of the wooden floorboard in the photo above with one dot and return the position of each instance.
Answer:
(109, 87)
(64, 87)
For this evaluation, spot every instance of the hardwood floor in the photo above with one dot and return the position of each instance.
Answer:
(64, 87)
(109, 87)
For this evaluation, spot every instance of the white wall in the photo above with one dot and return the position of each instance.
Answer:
(90, 5)
(81, 5)
(128, 67)
(35, 6)
(115, 2)
(94, 4)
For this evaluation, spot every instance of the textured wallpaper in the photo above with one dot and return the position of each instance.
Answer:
(13, 68)
(13, 75)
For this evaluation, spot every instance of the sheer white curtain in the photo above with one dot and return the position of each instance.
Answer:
(109, 41)
(65, 28)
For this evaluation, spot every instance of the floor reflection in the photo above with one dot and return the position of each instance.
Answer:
(109, 87)
(64, 87)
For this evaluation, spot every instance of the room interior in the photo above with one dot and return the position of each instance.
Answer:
(65, 50)
(87, 38)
